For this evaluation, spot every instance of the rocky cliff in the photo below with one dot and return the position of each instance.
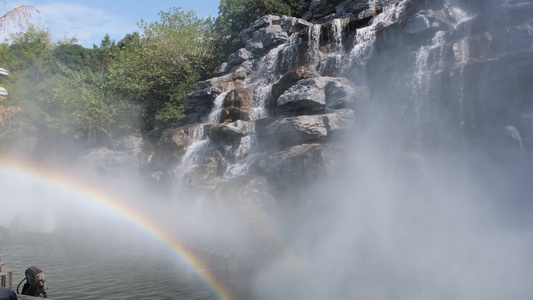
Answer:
(422, 75)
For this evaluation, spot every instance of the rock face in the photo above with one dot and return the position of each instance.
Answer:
(440, 72)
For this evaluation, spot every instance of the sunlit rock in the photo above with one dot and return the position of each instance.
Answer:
(289, 79)
(309, 96)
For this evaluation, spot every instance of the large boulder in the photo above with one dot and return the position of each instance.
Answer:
(310, 96)
(289, 79)
(269, 32)
(260, 41)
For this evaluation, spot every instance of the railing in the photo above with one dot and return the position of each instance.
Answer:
(6, 279)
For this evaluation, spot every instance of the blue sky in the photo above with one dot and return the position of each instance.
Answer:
(91, 20)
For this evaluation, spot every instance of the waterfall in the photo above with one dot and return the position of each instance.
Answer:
(365, 37)
(313, 52)
(336, 30)
(261, 97)
(425, 66)
(290, 52)
(461, 53)
(246, 146)
(195, 151)
(214, 115)
(199, 145)
(268, 66)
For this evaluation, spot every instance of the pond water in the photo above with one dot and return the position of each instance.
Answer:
(81, 265)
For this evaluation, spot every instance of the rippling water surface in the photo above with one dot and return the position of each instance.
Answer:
(81, 265)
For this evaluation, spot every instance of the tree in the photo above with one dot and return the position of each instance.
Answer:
(16, 16)
(27, 59)
(81, 104)
(163, 64)
(9, 123)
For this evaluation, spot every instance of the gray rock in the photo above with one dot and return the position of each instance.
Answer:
(289, 79)
(340, 93)
(221, 70)
(320, 9)
(309, 96)
(239, 57)
(292, 24)
(351, 7)
(266, 39)
(305, 97)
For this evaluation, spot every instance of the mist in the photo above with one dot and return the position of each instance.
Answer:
(411, 227)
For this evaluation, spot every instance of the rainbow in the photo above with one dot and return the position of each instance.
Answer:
(57, 180)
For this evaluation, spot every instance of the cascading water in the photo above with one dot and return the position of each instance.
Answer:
(248, 144)
(214, 115)
(461, 52)
(261, 96)
(269, 63)
(365, 38)
(290, 52)
(430, 61)
(337, 28)
(193, 153)
(420, 83)
(313, 52)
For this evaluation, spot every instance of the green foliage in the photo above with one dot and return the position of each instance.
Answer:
(82, 105)
(74, 57)
(166, 58)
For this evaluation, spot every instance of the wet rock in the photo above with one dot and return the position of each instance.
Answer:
(200, 102)
(242, 97)
(229, 132)
(232, 114)
(180, 138)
